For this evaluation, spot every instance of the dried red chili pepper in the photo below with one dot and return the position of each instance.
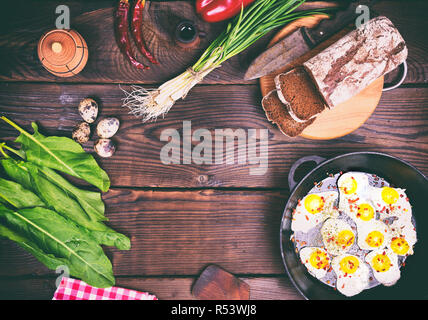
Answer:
(137, 33)
(122, 33)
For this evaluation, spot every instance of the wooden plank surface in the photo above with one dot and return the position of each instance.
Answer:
(181, 232)
(21, 29)
(397, 127)
(180, 218)
(261, 288)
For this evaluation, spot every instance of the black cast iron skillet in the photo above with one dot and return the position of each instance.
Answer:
(413, 283)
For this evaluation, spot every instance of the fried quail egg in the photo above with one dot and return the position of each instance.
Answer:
(404, 237)
(352, 274)
(314, 209)
(337, 236)
(352, 186)
(373, 235)
(384, 263)
(316, 260)
(391, 202)
(360, 211)
(352, 183)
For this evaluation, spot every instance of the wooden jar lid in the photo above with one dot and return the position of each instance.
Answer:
(63, 53)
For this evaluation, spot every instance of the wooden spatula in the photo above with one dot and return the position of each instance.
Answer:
(217, 284)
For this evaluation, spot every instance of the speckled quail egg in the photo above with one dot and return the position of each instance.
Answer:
(107, 128)
(88, 110)
(104, 148)
(81, 133)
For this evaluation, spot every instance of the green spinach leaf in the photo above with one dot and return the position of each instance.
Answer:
(18, 196)
(90, 201)
(59, 200)
(61, 153)
(61, 242)
(54, 192)
(17, 172)
(49, 260)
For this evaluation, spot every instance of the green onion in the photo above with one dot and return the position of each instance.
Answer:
(249, 26)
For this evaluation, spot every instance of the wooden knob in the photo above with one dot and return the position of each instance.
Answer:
(63, 53)
(57, 47)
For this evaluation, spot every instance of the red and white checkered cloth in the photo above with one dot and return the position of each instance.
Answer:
(72, 289)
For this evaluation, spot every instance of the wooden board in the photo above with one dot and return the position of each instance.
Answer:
(346, 117)
(215, 283)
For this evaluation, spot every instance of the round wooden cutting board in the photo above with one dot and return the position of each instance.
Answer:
(346, 117)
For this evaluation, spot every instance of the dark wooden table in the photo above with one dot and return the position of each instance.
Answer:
(181, 217)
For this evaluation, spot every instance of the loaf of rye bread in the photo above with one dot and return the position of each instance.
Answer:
(277, 112)
(298, 93)
(350, 64)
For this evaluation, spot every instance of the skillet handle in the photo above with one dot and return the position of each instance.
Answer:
(403, 74)
(291, 182)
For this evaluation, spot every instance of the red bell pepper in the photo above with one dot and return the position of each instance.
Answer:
(219, 10)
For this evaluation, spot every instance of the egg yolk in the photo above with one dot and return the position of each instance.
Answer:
(389, 195)
(365, 212)
(349, 264)
(319, 259)
(314, 203)
(381, 263)
(374, 239)
(345, 238)
(399, 246)
(348, 186)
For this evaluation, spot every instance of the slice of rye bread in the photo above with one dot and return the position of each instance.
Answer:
(277, 112)
(297, 91)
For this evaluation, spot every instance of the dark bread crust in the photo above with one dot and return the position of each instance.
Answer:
(350, 64)
(277, 112)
